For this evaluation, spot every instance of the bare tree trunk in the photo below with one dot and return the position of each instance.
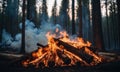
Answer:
(80, 17)
(23, 28)
(54, 13)
(64, 14)
(14, 17)
(7, 24)
(73, 19)
(0, 27)
(108, 38)
(44, 11)
(2, 24)
(115, 29)
(31, 10)
(118, 9)
(97, 27)
(90, 24)
(112, 27)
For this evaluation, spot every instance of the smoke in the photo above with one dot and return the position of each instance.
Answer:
(6, 38)
(33, 35)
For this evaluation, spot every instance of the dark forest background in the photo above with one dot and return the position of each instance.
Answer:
(84, 19)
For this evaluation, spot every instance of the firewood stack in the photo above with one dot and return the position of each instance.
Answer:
(68, 55)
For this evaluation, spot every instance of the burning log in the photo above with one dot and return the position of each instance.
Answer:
(64, 57)
(38, 59)
(79, 52)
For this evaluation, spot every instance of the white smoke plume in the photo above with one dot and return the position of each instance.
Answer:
(33, 36)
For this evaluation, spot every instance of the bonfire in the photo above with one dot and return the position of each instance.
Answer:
(62, 50)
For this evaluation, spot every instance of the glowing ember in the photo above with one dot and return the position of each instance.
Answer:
(57, 55)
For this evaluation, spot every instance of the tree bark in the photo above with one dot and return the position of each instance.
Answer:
(80, 17)
(73, 18)
(64, 14)
(31, 10)
(107, 25)
(2, 24)
(118, 9)
(23, 28)
(44, 11)
(0, 28)
(97, 27)
(54, 13)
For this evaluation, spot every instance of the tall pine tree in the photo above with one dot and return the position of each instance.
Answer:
(44, 15)
(31, 10)
(79, 13)
(54, 13)
(2, 20)
(97, 27)
(64, 14)
(11, 15)
(118, 9)
(73, 17)
(23, 27)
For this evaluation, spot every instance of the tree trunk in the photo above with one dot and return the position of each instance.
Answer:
(112, 27)
(115, 29)
(2, 24)
(64, 14)
(6, 22)
(14, 17)
(31, 10)
(118, 9)
(97, 27)
(0, 31)
(23, 28)
(44, 14)
(107, 26)
(54, 13)
(90, 24)
(73, 19)
(1, 27)
(80, 17)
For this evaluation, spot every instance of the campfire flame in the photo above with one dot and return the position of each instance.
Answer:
(54, 55)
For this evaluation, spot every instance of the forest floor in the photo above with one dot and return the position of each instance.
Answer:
(11, 62)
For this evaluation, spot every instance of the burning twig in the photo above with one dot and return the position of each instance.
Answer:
(38, 59)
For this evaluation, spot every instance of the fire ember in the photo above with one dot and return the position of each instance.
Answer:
(61, 50)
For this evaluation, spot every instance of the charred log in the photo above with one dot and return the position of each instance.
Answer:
(78, 64)
(93, 49)
(38, 44)
(64, 57)
(31, 66)
(51, 63)
(79, 52)
(41, 65)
